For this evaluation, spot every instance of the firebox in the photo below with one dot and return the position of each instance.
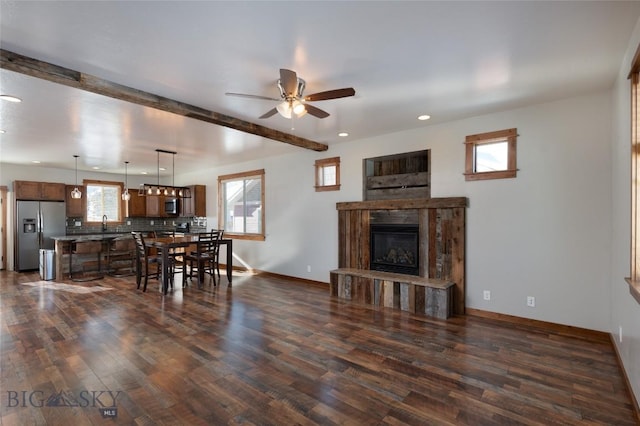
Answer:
(395, 248)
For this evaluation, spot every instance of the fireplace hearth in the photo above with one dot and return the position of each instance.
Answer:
(395, 248)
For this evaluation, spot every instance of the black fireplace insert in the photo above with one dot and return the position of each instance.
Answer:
(395, 248)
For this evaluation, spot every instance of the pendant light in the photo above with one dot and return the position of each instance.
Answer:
(125, 195)
(147, 189)
(173, 175)
(76, 194)
(158, 188)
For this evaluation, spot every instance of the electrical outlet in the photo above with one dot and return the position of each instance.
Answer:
(620, 334)
(308, 268)
(128, 223)
(531, 301)
(486, 294)
(151, 222)
(78, 223)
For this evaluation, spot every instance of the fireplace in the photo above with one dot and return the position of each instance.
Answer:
(395, 248)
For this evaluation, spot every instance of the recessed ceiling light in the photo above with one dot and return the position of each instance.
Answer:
(2, 131)
(143, 173)
(424, 117)
(343, 134)
(10, 98)
(96, 168)
(35, 162)
(162, 168)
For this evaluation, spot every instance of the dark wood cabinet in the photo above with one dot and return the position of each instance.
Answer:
(27, 190)
(137, 205)
(75, 207)
(39, 191)
(155, 204)
(53, 191)
(197, 204)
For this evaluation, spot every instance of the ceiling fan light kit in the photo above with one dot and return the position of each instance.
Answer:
(287, 108)
(292, 101)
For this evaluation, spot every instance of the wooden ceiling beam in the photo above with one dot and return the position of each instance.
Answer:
(79, 80)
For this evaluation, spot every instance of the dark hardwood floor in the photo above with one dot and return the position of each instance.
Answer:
(269, 351)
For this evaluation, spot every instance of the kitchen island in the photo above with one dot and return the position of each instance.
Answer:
(90, 255)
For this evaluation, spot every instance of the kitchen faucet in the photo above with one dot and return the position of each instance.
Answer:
(104, 222)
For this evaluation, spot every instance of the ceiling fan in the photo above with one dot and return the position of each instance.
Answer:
(292, 101)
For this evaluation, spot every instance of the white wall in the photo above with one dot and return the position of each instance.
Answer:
(625, 311)
(544, 234)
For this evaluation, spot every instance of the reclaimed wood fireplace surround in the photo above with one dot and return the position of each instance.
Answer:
(397, 194)
(441, 224)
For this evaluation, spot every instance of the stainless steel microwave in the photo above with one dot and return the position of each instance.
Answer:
(171, 206)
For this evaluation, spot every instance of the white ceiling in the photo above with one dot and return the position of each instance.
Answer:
(447, 59)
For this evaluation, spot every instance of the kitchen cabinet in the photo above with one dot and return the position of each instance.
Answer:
(76, 207)
(155, 205)
(197, 204)
(137, 205)
(39, 191)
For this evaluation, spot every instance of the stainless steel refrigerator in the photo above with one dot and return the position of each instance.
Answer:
(37, 222)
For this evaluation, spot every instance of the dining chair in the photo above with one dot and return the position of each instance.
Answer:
(177, 257)
(145, 262)
(216, 259)
(202, 260)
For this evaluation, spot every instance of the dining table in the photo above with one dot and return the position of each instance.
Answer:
(165, 245)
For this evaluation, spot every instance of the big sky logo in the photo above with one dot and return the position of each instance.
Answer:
(104, 400)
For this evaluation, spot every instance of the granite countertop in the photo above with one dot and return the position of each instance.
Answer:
(90, 237)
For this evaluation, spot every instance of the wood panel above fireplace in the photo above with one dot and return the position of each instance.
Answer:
(406, 175)
(441, 229)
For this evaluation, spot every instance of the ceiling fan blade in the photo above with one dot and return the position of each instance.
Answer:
(243, 95)
(269, 113)
(331, 94)
(289, 82)
(316, 112)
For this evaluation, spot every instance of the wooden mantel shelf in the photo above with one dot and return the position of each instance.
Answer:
(420, 203)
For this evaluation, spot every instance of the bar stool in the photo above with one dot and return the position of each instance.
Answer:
(86, 248)
(121, 251)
